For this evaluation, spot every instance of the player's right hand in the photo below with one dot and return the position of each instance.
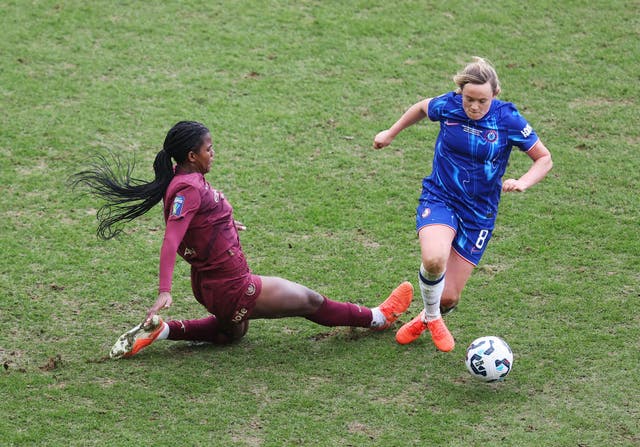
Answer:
(164, 301)
(383, 139)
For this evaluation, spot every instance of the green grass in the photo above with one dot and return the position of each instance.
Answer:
(294, 93)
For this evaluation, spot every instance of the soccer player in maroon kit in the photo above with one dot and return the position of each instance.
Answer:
(200, 228)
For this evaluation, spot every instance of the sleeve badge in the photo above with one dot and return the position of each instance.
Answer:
(176, 208)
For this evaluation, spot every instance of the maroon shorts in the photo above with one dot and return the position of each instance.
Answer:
(230, 294)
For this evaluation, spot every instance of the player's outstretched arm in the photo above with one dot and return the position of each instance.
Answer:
(415, 113)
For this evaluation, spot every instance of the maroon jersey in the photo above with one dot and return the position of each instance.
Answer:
(200, 228)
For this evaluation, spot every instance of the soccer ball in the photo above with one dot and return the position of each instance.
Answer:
(489, 358)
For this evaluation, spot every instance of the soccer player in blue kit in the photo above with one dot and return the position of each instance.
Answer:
(459, 202)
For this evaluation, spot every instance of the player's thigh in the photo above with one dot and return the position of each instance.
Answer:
(458, 273)
(435, 246)
(280, 297)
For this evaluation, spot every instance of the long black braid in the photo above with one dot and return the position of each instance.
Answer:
(127, 197)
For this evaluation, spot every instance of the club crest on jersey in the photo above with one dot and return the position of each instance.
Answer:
(491, 136)
(251, 290)
(176, 208)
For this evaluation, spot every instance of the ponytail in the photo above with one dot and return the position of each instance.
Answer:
(127, 197)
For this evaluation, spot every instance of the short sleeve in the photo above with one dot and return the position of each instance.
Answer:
(521, 134)
(436, 106)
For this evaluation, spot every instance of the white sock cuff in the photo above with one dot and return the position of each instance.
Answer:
(427, 279)
(165, 332)
(377, 318)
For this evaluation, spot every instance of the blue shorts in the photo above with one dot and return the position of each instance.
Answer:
(470, 241)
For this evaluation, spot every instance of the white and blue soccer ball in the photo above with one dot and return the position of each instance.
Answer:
(489, 358)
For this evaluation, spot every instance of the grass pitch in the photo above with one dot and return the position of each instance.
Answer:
(294, 93)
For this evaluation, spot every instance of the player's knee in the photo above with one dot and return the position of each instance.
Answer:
(434, 265)
(231, 333)
(313, 300)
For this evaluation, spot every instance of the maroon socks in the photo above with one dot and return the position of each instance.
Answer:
(333, 313)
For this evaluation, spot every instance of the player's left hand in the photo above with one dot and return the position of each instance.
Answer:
(513, 185)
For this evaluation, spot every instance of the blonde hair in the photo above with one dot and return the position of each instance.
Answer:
(478, 72)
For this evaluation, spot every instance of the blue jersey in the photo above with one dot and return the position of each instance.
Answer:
(471, 156)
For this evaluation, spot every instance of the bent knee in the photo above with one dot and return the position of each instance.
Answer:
(231, 333)
(434, 265)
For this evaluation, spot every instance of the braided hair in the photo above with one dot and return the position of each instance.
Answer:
(127, 197)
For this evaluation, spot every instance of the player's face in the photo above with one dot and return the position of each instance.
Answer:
(476, 99)
(204, 157)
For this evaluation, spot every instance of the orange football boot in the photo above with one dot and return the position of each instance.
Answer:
(396, 304)
(440, 335)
